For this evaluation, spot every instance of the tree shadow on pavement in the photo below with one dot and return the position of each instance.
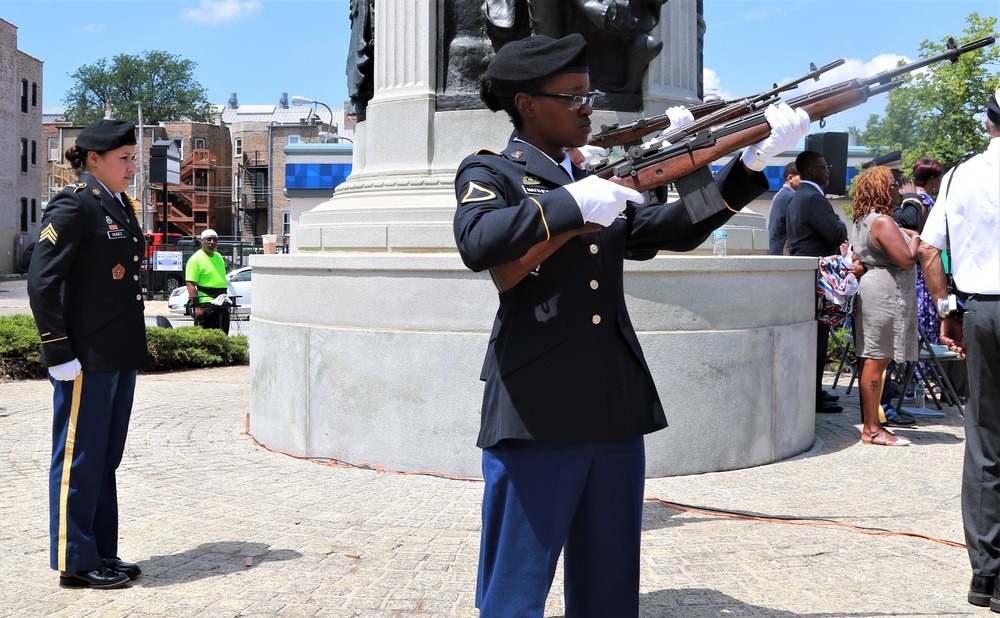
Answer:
(208, 560)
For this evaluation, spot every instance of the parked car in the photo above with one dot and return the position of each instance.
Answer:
(237, 287)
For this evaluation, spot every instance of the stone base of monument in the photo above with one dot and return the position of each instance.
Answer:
(374, 357)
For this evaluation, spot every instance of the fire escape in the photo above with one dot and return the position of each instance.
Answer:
(192, 201)
(253, 196)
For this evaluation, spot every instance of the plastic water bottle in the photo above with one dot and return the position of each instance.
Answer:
(919, 396)
(719, 243)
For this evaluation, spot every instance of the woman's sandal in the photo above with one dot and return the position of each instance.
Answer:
(882, 437)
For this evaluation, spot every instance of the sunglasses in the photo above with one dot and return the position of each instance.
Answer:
(575, 101)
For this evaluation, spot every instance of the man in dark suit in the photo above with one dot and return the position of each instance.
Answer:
(83, 285)
(777, 233)
(814, 229)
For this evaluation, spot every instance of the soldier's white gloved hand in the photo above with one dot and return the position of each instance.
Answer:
(600, 200)
(66, 371)
(590, 153)
(788, 126)
(679, 116)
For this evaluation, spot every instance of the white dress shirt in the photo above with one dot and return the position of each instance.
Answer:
(968, 209)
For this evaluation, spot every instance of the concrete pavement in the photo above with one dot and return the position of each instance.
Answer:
(223, 528)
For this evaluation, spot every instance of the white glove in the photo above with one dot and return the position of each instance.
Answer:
(600, 200)
(66, 371)
(679, 116)
(787, 127)
(590, 153)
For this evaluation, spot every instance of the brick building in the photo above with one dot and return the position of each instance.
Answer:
(21, 148)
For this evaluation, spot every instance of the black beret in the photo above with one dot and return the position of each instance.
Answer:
(105, 135)
(539, 56)
(993, 108)
(891, 160)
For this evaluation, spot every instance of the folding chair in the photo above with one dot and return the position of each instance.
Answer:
(934, 355)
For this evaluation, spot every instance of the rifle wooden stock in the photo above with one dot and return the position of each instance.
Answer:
(506, 276)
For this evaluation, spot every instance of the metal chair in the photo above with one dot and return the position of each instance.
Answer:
(928, 354)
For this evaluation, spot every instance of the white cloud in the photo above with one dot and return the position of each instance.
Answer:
(93, 28)
(221, 11)
(712, 87)
(853, 68)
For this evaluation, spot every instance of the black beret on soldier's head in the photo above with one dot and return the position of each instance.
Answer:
(536, 57)
(105, 135)
(993, 108)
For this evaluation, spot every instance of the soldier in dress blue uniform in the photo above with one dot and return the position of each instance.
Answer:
(85, 294)
(568, 394)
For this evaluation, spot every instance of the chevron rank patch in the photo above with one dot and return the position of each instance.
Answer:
(477, 193)
(49, 234)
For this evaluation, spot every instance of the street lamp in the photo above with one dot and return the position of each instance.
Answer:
(326, 136)
(300, 100)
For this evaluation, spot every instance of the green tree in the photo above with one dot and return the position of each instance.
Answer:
(162, 82)
(939, 112)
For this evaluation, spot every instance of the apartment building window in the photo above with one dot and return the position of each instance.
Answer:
(24, 96)
(24, 155)
(293, 139)
(34, 152)
(238, 187)
(24, 214)
(238, 147)
(199, 143)
(286, 223)
(51, 188)
(34, 94)
(53, 149)
(34, 211)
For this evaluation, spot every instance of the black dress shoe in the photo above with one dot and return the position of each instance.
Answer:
(901, 419)
(827, 407)
(120, 566)
(825, 396)
(981, 589)
(102, 577)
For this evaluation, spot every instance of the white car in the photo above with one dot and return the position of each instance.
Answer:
(237, 287)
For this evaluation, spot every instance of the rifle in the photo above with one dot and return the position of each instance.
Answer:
(632, 133)
(648, 168)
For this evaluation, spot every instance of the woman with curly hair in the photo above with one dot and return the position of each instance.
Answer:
(886, 318)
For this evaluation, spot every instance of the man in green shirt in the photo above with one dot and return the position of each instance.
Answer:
(205, 275)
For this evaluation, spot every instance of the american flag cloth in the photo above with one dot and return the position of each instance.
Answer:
(836, 288)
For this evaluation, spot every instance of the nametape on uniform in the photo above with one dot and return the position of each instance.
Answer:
(116, 234)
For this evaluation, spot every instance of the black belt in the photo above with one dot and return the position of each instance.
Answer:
(984, 297)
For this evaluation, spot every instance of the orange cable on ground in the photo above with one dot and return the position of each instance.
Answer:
(801, 522)
(336, 463)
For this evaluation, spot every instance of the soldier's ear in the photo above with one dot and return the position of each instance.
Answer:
(525, 104)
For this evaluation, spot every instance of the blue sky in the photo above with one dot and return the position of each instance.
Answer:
(261, 48)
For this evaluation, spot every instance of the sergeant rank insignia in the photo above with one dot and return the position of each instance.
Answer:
(49, 234)
(118, 272)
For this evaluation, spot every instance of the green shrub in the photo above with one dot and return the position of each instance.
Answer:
(169, 348)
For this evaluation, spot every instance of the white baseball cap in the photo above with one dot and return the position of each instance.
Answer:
(209, 233)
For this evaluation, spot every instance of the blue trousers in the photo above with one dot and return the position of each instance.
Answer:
(89, 426)
(582, 499)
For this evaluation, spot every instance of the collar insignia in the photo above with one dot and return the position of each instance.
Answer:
(49, 234)
(530, 180)
(517, 154)
(96, 192)
(478, 193)
(118, 272)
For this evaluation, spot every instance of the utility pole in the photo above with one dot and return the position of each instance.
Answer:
(142, 170)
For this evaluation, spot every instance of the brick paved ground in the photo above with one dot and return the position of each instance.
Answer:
(200, 502)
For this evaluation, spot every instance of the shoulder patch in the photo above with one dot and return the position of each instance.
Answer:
(483, 151)
(477, 193)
